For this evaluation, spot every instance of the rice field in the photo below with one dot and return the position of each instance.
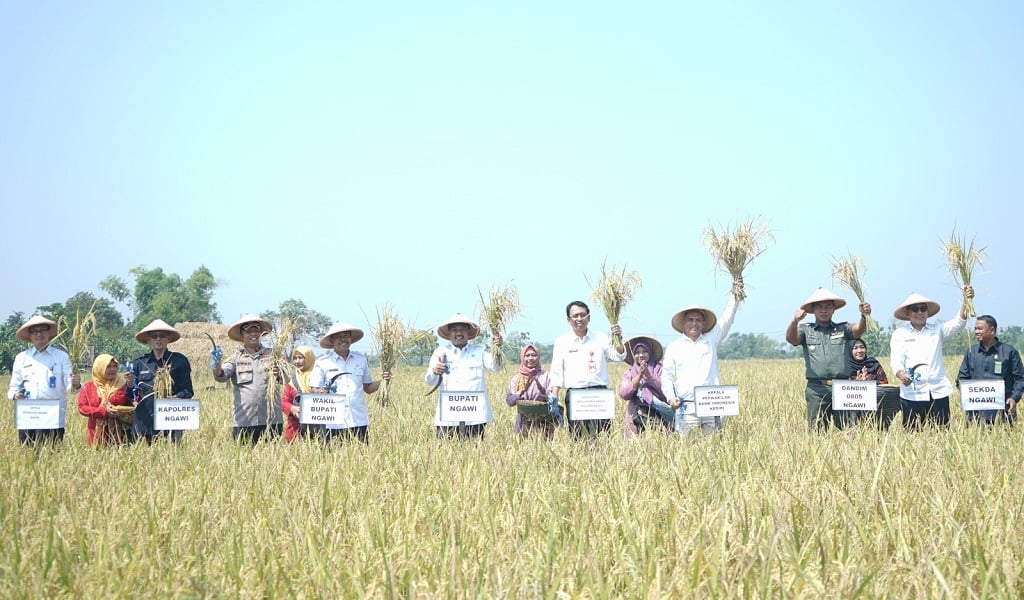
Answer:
(764, 509)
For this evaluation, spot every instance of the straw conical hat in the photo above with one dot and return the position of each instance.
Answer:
(339, 327)
(822, 295)
(235, 331)
(915, 298)
(656, 349)
(157, 325)
(36, 320)
(442, 329)
(709, 318)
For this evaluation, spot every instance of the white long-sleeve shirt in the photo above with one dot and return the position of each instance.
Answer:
(690, 363)
(909, 348)
(32, 370)
(356, 375)
(582, 362)
(466, 374)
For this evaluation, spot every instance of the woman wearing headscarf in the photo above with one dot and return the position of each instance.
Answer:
(302, 360)
(97, 398)
(531, 383)
(867, 368)
(864, 367)
(640, 387)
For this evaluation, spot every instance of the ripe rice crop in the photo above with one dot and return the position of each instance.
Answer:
(764, 509)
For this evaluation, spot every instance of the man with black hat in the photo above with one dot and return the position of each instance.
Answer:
(826, 347)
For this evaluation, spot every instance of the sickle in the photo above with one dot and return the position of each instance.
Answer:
(440, 378)
(211, 341)
(335, 378)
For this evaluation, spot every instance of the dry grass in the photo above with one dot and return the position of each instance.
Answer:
(734, 250)
(961, 259)
(847, 271)
(763, 510)
(496, 311)
(614, 289)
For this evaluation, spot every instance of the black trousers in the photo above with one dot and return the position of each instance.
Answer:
(351, 433)
(32, 437)
(935, 410)
(452, 432)
(252, 434)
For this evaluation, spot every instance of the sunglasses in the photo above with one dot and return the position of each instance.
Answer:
(251, 329)
(158, 335)
(918, 308)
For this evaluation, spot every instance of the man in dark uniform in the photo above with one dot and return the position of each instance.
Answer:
(992, 359)
(146, 368)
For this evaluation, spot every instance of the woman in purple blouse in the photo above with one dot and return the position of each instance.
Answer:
(531, 383)
(641, 387)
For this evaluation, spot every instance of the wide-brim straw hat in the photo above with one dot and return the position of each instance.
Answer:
(340, 327)
(822, 295)
(235, 331)
(656, 350)
(157, 325)
(915, 298)
(36, 320)
(442, 329)
(679, 318)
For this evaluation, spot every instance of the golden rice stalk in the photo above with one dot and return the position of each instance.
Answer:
(613, 291)
(734, 250)
(847, 270)
(388, 338)
(162, 382)
(496, 311)
(961, 258)
(280, 356)
(81, 331)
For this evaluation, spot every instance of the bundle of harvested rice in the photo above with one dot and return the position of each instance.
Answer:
(388, 338)
(83, 329)
(847, 271)
(734, 250)
(613, 291)
(278, 340)
(500, 307)
(961, 259)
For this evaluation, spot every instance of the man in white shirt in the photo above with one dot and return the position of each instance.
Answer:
(692, 361)
(457, 365)
(580, 361)
(345, 371)
(43, 373)
(915, 352)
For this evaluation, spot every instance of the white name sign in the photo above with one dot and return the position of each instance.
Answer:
(174, 414)
(595, 403)
(33, 413)
(717, 400)
(982, 394)
(463, 406)
(848, 394)
(325, 409)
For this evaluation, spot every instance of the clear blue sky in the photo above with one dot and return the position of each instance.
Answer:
(350, 154)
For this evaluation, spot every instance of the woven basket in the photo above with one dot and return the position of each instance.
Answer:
(534, 409)
(121, 413)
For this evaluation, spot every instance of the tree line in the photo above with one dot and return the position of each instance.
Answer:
(155, 294)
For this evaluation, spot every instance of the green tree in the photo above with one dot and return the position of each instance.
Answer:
(753, 345)
(419, 346)
(309, 324)
(159, 295)
(10, 345)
